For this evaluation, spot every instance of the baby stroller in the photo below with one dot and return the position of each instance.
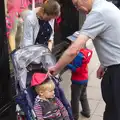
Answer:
(26, 61)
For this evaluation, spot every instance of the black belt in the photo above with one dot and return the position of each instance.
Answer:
(111, 66)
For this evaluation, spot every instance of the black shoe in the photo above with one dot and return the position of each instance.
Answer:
(87, 115)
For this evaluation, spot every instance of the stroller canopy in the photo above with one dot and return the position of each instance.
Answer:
(36, 54)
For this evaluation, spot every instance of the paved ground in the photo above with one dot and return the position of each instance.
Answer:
(94, 93)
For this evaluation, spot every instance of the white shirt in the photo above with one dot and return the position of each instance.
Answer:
(102, 25)
(31, 29)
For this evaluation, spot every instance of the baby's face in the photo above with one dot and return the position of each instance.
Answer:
(49, 93)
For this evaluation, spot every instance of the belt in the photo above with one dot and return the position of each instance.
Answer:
(111, 66)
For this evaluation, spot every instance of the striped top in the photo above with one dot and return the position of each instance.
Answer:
(42, 108)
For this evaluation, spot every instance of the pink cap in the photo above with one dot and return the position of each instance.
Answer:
(38, 78)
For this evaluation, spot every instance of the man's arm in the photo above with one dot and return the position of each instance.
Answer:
(92, 27)
(70, 53)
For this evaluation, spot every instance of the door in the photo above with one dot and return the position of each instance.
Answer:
(5, 82)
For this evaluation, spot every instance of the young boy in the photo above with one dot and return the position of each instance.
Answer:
(79, 68)
(46, 105)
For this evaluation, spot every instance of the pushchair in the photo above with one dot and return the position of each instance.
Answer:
(26, 61)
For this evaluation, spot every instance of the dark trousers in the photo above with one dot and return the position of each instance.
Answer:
(110, 86)
(79, 94)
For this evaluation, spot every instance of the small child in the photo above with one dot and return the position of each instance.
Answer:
(79, 68)
(47, 106)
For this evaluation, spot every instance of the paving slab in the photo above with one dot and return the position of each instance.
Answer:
(96, 117)
(93, 105)
(94, 93)
(100, 109)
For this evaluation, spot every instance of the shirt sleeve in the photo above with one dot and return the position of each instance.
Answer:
(51, 22)
(62, 109)
(27, 33)
(71, 67)
(38, 110)
(94, 25)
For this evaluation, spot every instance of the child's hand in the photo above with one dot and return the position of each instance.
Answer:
(71, 67)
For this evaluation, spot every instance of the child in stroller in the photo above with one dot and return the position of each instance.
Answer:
(46, 105)
(27, 61)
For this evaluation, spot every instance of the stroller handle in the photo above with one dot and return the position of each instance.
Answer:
(40, 68)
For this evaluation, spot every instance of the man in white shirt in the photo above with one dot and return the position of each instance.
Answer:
(102, 25)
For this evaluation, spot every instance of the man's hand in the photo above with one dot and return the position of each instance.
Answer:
(53, 70)
(100, 72)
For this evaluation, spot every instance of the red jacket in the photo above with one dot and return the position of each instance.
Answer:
(81, 72)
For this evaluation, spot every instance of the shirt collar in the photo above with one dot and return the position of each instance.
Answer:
(97, 2)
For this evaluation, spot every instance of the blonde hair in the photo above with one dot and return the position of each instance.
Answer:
(49, 84)
(51, 7)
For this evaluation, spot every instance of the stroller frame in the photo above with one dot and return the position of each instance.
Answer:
(21, 59)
